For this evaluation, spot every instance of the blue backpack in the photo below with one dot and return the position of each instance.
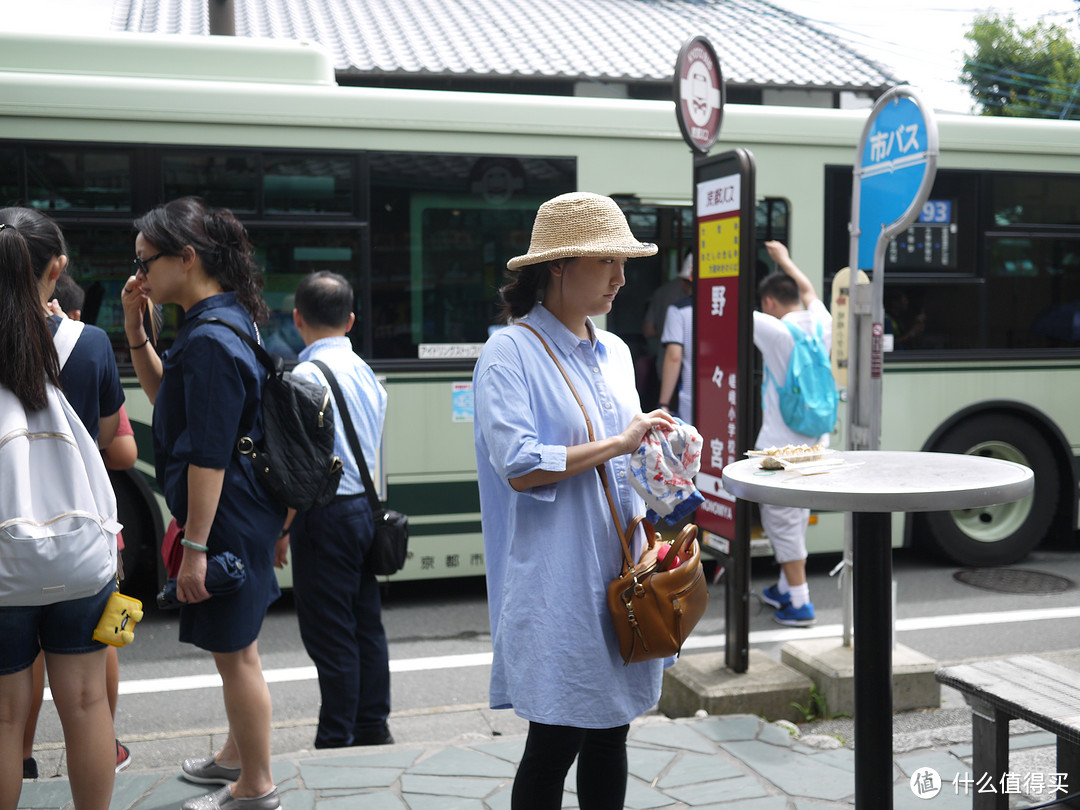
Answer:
(808, 397)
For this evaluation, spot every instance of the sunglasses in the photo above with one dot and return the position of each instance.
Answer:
(143, 265)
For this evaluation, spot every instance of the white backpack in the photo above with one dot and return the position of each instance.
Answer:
(58, 521)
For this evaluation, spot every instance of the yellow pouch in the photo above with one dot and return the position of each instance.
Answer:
(117, 625)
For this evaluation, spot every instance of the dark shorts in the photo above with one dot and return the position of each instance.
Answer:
(63, 627)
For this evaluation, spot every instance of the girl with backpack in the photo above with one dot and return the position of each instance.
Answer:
(62, 627)
(206, 391)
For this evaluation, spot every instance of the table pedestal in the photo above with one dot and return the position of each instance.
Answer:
(872, 572)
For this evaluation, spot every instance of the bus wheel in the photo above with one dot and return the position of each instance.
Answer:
(1003, 534)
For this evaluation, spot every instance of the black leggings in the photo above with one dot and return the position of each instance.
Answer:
(549, 753)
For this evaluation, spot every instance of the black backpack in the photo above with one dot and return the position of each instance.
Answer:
(294, 461)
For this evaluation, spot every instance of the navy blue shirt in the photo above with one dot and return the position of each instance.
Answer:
(90, 378)
(209, 397)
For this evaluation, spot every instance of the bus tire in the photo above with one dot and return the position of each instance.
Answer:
(1003, 534)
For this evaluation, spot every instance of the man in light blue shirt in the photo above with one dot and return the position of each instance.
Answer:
(337, 597)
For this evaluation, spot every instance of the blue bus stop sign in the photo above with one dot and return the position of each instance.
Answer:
(895, 167)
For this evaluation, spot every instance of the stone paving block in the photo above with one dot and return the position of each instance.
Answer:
(130, 787)
(794, 774)
(648, 763)
(839, 758)
(450, 786)
(463, 762)
(729, 727)
(45, 794)
(386, 758)
(776, 735)
(320, 777)
(680, 736)
(435, 803)
(508, 750)
(297, 799)
(692, 769)
(642, 797)
(734, 791)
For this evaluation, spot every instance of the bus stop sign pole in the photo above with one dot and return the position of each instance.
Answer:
(895, 166)
(722, 350)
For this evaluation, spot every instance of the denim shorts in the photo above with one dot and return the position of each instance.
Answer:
(63, 627)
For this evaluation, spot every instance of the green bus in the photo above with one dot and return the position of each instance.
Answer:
(419, 197)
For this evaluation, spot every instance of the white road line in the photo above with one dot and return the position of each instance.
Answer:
(290, 674)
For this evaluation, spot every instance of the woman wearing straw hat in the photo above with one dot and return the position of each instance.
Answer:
(549, 539)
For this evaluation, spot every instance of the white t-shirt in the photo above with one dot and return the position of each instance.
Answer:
(775, 343)
(679, 328)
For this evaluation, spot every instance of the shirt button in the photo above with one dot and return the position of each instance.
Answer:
(596, 370)
(607, 404)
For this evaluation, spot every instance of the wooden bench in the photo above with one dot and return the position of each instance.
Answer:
(1023, 687)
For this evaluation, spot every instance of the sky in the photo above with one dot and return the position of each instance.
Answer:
(921, 40)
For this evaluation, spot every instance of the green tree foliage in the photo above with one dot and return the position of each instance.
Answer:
(1017, 71)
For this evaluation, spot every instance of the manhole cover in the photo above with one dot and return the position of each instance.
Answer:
(1013, 580)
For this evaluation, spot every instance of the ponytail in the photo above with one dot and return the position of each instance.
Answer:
(524, 290)
(220, 241)
(27, 354)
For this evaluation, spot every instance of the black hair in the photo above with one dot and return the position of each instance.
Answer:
(781, 286)
(42, 235)
(219, 240)
(324, 298)
(522, 292)
(68, 293)
(27, 354)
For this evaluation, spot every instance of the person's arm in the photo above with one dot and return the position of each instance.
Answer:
(281, 547)
(143, 355)
(582, 457)
(122, 452)
(669, 375)
(204, 493)
(779, 254)
(107, 426)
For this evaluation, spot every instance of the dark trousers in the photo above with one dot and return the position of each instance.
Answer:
(340, 615)
(549, 753)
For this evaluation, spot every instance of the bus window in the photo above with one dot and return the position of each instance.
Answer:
(1033, 292)
(308, 184)
(224, 180)
(443, 227)
(66, 179)
(1026, 199)
(9, 175)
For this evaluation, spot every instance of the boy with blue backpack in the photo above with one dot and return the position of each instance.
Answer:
(793, 332)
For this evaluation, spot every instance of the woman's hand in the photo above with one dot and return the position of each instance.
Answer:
(642, 424)
(191, 579)
(134, 301)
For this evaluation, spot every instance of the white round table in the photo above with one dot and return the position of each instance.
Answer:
(871, 484)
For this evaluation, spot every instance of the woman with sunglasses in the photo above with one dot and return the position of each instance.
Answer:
(206, 391)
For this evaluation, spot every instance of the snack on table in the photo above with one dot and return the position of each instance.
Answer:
(772, 457)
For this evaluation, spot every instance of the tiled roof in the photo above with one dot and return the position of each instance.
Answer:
(759, 43)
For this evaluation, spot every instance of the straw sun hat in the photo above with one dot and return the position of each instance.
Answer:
(580, 224)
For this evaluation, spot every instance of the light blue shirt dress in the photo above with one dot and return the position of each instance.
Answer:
(551, 551)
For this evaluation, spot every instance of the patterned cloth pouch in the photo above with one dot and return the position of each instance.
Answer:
(663, 469)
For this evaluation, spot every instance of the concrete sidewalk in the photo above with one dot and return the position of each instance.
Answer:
(731, 761)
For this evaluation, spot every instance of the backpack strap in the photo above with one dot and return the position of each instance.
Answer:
(66, 336)
(272, 366)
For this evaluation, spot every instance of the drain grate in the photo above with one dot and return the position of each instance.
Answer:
(1013, 580)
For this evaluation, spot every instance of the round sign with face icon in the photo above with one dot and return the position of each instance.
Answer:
(699, 93)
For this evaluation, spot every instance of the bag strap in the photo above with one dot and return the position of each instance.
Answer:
(600, 469)
(354, 440)
(66, 336)
(272, 366)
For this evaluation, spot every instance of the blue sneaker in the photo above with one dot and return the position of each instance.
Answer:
(774, 597)
(796, 616)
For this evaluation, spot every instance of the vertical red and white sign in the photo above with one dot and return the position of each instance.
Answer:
(717, 322)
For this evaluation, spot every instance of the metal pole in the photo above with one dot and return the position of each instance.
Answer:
(222, 18)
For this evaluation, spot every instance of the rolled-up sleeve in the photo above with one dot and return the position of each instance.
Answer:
(507, 422)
